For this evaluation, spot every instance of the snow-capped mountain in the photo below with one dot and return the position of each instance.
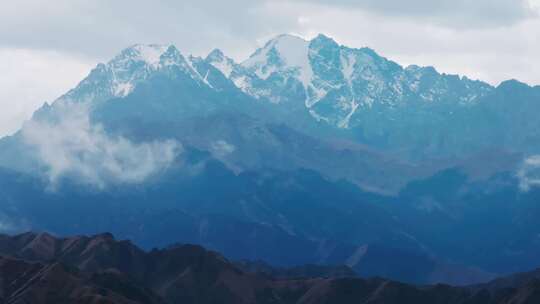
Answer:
(120, 76)
(334, 82)
(319, 88)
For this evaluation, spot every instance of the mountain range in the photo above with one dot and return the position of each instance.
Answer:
(338, 154)
(40, 268)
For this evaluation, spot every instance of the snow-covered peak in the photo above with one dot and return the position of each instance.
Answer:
(292, 50)
(221, 62)
(288, 46)
(135, 63)
(149, 54)
(216, 55)
(282, 53)
(132, 66)
(323, 39)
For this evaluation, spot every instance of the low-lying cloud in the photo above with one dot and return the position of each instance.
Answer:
(73, 146)
(9, 224)
(529, 173)
(221, 148)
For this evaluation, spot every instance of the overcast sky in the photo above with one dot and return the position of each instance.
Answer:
(47, 47)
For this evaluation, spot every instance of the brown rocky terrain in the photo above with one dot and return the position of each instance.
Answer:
(40, 268)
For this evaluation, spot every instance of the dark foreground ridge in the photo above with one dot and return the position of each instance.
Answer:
(40, 268)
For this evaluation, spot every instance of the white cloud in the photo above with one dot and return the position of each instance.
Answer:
(13, 224)
(100, 28)
(221, 148)
(74, 146)
(529, 173)
(461, 14)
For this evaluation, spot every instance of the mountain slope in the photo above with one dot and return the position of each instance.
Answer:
(343, 80)
(25, 282)
(190, 274)
(413, 109)
(245, 215)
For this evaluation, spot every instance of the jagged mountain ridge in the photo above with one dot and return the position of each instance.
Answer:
(349, 99)
(318, 85)
(339, 78)
(414, 109)
(99, 269)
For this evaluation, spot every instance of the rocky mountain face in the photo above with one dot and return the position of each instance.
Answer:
(376, 101)
(334, 82)
(30, 282)
(39, 268)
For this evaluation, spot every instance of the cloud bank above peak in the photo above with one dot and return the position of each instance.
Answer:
(460, 14)
(99, 28)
